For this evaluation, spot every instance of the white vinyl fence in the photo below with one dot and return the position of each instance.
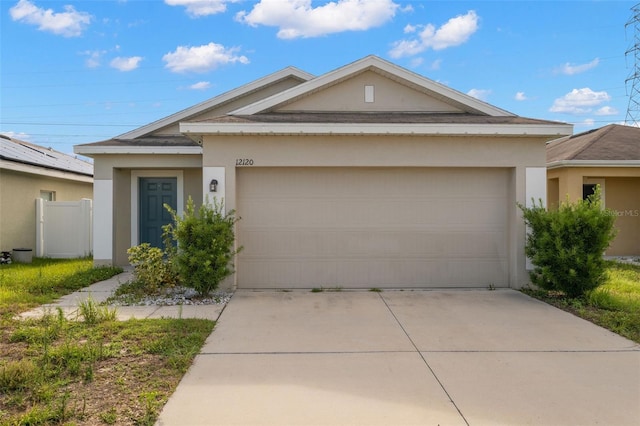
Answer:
(64, 228)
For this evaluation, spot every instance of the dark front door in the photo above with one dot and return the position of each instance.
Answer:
(154, 193)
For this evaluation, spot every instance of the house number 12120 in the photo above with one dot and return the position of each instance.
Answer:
(244, 162)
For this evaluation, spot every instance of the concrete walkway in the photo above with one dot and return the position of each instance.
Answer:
(102, 290)
(406, 358)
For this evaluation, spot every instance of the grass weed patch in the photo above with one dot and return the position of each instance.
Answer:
(58, 371)
(614, 305)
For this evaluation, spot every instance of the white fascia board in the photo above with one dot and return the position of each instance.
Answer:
(593, 163)
(191, 129)
(93, 150)
(42, 171)
(218, 100)
(363, 64)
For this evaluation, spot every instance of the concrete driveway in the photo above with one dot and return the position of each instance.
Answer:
(406, 357)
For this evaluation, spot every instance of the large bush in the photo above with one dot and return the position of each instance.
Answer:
(205, 242)
(566, 245)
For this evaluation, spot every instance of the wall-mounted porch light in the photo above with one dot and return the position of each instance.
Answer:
(213, 186)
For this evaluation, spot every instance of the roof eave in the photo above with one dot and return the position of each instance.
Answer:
(45, 171)
(90, 150)
(592, 163)
(452, 129)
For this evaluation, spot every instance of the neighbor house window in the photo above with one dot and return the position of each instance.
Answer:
(588, 189)
(48, 195)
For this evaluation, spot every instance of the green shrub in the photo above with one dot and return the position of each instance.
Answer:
(566, 245)
(152, 267)
(205, 245)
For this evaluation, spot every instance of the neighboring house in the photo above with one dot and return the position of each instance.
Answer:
(367, 176)
(28, 172)
(609, 157)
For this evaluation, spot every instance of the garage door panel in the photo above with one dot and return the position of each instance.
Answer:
(279, 243)
(383, 273)
(379, 227)
(365, 212)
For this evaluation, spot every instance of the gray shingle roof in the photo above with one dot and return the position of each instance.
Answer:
(374, 117)
(18, 151)
(609, 143)
(162, 140)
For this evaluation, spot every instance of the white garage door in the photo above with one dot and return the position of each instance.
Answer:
(372, 227)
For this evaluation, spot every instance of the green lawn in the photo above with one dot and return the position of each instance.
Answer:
(614, 305)
(25, 286)
(91, 371)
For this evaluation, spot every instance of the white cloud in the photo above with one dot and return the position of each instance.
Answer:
(18, 135)
(125, 64)
(569, 69)
(606, 110)
(454, 32)
(198, 8)
(202, 58)
(481, 94)
(69, 23)
(201, 85)
(520, 96)
(297, 18)
(579, 101)
(94, 57)
(588, 122)
(416, 62)
(410, 29)
(435, 65)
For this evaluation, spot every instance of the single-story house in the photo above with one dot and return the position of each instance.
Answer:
(29, 172)
(609, 157)
(367, 176)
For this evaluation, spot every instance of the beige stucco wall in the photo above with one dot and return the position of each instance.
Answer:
(18, 192)
(388, 151)
(388, 96)
(623, 197)
(621, 193)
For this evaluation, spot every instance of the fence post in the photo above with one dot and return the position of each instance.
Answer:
(87, 226)
(39, 227)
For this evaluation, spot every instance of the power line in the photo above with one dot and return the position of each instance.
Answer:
(67, 124)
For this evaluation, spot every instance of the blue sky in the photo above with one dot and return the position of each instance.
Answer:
(76, 72)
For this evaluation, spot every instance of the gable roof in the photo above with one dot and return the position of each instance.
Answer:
(465, 115)
(436, 90)
(269, 105)
(217, 101)
(17, 152)
(611, 144)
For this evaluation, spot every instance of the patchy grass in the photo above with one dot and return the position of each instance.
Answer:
(614, 305)
(56, 371)
(25, 286)
(92, 371)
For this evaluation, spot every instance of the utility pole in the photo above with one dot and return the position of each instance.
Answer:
(633, 81)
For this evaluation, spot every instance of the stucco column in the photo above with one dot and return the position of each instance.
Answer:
(103, 222)
(535, 190)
